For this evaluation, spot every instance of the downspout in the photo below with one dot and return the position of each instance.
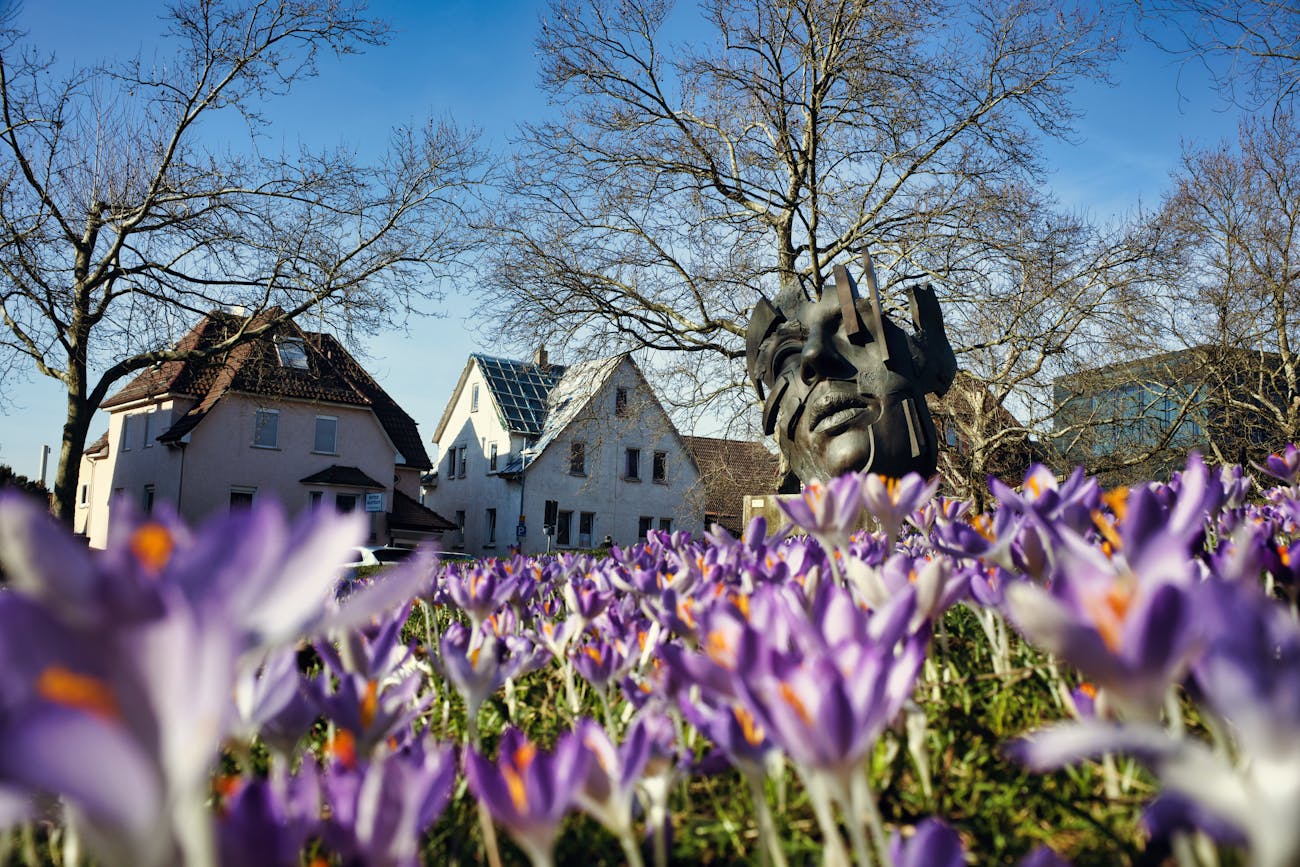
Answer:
(180, 478)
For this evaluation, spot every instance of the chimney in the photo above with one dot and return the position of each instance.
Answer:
(539, 357)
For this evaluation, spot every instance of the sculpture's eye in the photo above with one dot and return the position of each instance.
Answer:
(783, 349)
(785, 354)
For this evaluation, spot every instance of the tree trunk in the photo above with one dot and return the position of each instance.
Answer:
(63, 504)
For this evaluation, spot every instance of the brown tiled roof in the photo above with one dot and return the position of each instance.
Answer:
(408, 514)
(730, 470)
(338, 475)
(98, 448)
(332, 375)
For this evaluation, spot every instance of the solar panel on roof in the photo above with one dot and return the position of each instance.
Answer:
(520, 391)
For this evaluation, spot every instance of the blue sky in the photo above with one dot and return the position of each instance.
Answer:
(474, 60)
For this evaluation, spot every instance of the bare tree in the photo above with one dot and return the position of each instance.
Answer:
(1251, 48)
(684, 178)
(136, 195)
(1232, 229)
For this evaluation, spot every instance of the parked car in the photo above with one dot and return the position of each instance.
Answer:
(377, 555)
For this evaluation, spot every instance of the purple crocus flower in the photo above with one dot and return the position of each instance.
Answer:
(266, 822)
(891, 500)
(1248, 678)
(379, 810)
(825, 701)
(1131, 620)
(609, 790)
(481, 590)
(1284, 466)
(933, 845)
(270, 702)
(599, 661)
(121, 663)
(529, 791)
(733, 729)
(827, 511)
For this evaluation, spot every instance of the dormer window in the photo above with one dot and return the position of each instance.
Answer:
(291, 353)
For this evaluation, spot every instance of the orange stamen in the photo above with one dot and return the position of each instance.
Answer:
(1110, 611)
(752, 731)
(152, 545)
(369, 704)
(1032, 484)
(1107, 530)
(791, 698)
(514, 770)
(79, 691)
(719, 649)
(343, 748)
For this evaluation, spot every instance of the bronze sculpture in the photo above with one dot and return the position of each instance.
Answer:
(843, 385)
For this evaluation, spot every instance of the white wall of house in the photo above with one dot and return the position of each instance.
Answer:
(617, 505)
(464, 493)
(137, 468)
(222, 459)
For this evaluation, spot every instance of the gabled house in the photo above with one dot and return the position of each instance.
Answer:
(290, 416)
(730, 471)
(544, 457)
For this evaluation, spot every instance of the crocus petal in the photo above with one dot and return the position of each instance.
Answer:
(40, 558)
(1065, 743)
(933, 845)
(91, 762)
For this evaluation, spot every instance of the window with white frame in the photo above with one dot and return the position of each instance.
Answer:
(84, 495)
(666, 524)
(462, 460)
(632, 465)
(473, 398)
(314, 499)
(149, 429)
(266, 428)
(586, 527)
(345, 502)
(492, 459)
(327, 435)
(291, 353)
(644, 525)
(490, 527)
(124, 441)
(146, 502)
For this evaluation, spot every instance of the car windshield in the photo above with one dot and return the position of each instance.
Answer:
(392, 555)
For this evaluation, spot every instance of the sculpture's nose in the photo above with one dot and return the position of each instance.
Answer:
(814, 358)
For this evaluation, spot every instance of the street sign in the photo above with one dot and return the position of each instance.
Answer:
(521, 531)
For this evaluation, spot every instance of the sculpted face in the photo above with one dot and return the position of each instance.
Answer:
(845, 387)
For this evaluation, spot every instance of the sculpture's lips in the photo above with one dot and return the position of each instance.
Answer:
(838, 411)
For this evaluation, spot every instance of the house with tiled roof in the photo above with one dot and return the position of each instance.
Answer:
(539, 456)
(731, 470)
(289, 416)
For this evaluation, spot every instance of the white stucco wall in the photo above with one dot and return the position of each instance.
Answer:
(199, 477)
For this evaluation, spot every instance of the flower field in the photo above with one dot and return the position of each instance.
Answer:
(1076, 676)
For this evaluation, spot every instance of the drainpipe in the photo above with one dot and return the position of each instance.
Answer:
(524, 455)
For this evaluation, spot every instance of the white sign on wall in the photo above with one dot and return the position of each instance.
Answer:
(375, 502)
